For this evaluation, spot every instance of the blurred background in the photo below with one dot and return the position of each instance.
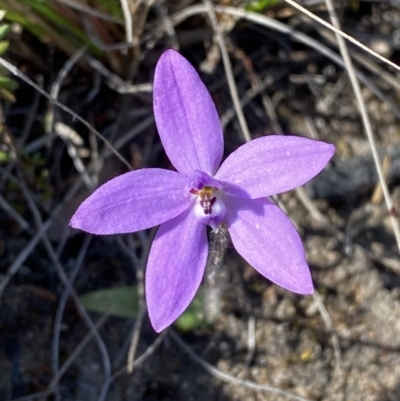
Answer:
(73, 321)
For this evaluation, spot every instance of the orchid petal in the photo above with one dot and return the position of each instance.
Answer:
(199, 180)
(267, 240)
(175, 268)
(186, 117)
(273, 164)
(133, 201)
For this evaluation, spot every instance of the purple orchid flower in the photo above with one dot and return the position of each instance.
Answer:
(203, 193)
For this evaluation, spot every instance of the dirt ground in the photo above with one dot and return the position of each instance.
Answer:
(263, 343)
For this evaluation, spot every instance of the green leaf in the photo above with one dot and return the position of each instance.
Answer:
(8, 83)
(4, 30)
(260, 5)
(4, 45)
(118, 301)
(7, 95)
(45, 10)
(24, 21)
(4, 156)
(193, 317)
(111, 6)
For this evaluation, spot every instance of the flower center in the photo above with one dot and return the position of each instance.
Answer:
(207, 198)
(209, 207)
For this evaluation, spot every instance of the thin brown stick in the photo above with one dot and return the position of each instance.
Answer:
(128, 20)
(60, 311)
(60, 271)
(79, 348)
(149, 351)
(219, 374)
(13, 214)
(17, 263)
(14, 70)
(142, 304)
(36, 395)
(295, 35)
(364, 116)
(228, 70)
(91, 11)
(335, 28)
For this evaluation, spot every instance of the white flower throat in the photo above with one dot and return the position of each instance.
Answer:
(209, 208)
